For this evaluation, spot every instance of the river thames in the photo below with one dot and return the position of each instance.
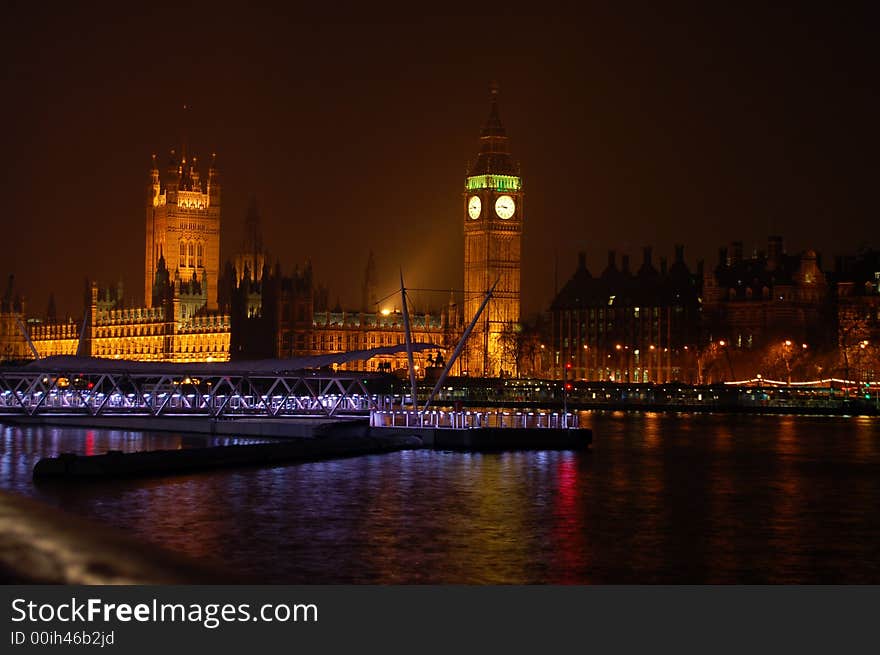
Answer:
(660, 498)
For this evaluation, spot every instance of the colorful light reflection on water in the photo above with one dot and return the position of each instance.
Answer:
(661, 498)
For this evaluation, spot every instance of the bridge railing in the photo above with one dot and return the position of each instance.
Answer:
(39, 392)
(465, 419)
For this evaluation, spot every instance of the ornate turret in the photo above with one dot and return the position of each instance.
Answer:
(155, 188)
(252, 259)
(172, 179)
(213, 183)
(368, 295)
(494, 157)
(162, 287)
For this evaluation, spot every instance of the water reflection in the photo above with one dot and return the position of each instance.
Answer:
(666, 498)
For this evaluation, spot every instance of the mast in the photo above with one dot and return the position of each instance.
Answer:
(459, 347)
(407, 333)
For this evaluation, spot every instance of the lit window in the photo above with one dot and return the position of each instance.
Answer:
(200, 255)
(191, 255)
(182, 253)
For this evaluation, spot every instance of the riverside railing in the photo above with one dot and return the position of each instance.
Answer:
(470, 419)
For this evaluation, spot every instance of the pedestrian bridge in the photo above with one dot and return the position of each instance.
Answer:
(94, 387)
(85, 386)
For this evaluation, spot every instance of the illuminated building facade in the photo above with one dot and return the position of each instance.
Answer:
(493, 221)
(183, 225)
(178, 321)
(175, 328)
(626, 327)
(55, 338)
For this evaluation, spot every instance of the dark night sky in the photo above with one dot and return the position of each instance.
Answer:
(646, 127)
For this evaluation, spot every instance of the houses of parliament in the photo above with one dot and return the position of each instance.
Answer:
(196, 310)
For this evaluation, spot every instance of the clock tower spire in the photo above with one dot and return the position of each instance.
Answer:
(493, 221)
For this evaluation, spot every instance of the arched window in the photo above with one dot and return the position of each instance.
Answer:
(192, 255)
(182, 262)
(200, 255)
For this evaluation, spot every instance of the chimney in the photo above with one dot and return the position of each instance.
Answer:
(612, 257)
(624, 264)
(679, 253)
(663, 265)
(646, 257)
(736, 252)
(774, 252)
(582, 260)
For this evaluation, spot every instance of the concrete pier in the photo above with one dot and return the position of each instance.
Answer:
(116, 464)
(245, 426)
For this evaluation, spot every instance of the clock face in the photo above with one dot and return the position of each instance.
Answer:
(474, 207)
(504, 207)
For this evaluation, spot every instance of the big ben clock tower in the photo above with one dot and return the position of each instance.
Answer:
(493, 222)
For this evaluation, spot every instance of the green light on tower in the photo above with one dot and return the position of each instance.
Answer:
(495, 182)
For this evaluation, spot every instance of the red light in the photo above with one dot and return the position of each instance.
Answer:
(568, 365)
(90, 385)
(568, 386)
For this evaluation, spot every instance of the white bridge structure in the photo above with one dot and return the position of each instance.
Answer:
(273, 388)
(92, 387)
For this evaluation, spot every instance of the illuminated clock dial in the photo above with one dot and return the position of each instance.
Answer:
(474, 207)
(504, 207)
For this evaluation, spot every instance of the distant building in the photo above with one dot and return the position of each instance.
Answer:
(13, 345)
(176, 328)
(856, 290)
(277, 315)
(626, 326)
(768, 297)
(178, 321)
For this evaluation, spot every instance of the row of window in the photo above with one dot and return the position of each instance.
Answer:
(637, 312)
(155, 348)
(192, 254)
(147, 330)
(353, 341)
